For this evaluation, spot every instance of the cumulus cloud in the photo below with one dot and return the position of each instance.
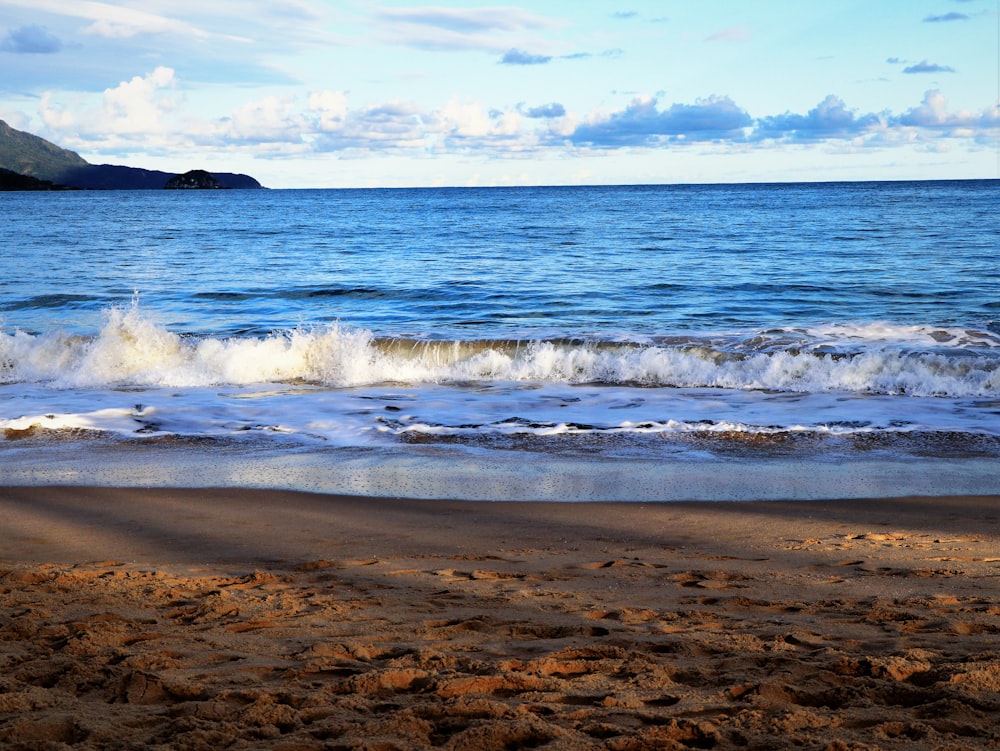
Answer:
(463, 125)
(31, 39)
(137, 106)
(142, 114)
(946, 17)
(465, 119)
(459, 126)
(273, 119)
(329, 109)
(55, 117)
(641, 123)
(376, 128)
(520, 57)
(930, 123)
(718, 119)
(281, 126)
(134, 111)
(829, 119)
(933, 114)
(925, 67)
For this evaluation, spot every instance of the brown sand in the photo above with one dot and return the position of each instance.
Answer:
(211, 619)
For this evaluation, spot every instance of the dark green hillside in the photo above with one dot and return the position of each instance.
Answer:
(27, 154)
(30, 155)
(14, 181)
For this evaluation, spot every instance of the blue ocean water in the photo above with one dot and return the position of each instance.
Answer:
(635, 342)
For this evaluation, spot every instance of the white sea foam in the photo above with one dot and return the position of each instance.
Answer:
(131, 350)
(336, 386)
(897, 334)
(383, 415)
(602, 323)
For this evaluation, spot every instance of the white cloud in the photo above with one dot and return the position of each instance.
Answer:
(56, 118)
(388, 126)
(136, 106)
(466, 119)
(933, 114)
(134, 109)
(329, 108)
(489, 29)
(274, 119)
(468, 20)
(332, 126)
(143, 114)
(643, 124)
(830, 119)
(115, 21)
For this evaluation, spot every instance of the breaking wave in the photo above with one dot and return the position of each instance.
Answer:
(132, 350)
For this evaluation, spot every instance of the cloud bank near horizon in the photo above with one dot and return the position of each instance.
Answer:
(262, 82)
(145, 111)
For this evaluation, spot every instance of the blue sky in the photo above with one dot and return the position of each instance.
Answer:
(306, 93)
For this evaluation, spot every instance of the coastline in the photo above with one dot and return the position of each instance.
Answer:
(198, 618)
(450, 473)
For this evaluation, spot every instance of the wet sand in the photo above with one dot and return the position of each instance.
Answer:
(229, 618)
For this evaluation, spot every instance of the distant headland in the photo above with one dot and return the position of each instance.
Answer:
(28, 162)
(196, 179)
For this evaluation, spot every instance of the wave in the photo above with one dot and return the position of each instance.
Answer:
(132, 350)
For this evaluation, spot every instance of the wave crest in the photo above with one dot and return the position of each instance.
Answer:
(132, 350)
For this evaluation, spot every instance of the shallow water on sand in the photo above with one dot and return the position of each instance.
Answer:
(643, 342)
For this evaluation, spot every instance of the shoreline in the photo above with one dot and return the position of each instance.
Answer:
(202, 618)
(444, 473)
(226, 523)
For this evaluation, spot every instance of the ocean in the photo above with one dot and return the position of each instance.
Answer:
(637, 343)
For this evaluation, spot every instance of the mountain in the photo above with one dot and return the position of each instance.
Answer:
(15, 181)
(27, 154)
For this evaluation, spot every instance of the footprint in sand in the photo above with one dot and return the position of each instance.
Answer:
(711, 579)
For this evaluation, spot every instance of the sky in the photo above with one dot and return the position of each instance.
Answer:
(319, 94)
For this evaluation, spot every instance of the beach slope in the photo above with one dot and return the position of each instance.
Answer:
(230, 618)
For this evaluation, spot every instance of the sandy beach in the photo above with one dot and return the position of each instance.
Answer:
(239, 619)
